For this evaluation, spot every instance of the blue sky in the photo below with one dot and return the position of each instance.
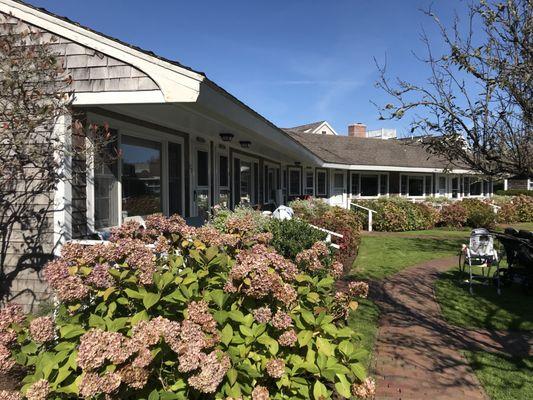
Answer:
(293, 61)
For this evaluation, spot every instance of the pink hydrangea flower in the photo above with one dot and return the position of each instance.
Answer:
(39, 390)
(42, 329)
(275, 368)
(365, 390)
(260, 393)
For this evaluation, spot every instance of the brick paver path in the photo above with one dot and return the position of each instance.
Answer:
(417, 352)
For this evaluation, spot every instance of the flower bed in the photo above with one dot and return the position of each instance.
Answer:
(199, 313)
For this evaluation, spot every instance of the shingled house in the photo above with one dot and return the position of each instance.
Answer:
(187, 145)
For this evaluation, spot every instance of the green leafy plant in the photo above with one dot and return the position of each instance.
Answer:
(515, 192)
(453, 215)
(290, 237)
(174, 312)
(479, 213)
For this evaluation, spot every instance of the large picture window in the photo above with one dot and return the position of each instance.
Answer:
(295, 182)
(369, 184)
(416, 185)
(141, 176)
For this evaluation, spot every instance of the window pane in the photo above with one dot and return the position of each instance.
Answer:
(202, 166)
(223, 179)
(309, 182)
(246, 183)
(403, 188)
(369, 185)
(257, 195)
(384, 185)
(294, 182)
(105, 191)
(475, 188)
(466, 185)
(442, 185)
(174, 178)
(321, 183)
(416, 186)
(141, 176)
(355, 184)
(429, 186)
(338, 180)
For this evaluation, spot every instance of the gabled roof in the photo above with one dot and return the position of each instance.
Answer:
(307, 128)
(348, 150)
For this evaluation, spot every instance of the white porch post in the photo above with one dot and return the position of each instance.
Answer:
(63, 193)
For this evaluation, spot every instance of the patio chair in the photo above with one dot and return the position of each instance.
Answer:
(480, 254)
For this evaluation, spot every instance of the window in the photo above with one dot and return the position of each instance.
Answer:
(294, 182)
(530, 184)
(321, 183)
(174, 179)
(418, 185)
(476, 187)
(202, 163)
(369, 185)
(223, 178)
(245, 182)
(309, 182)
(442, 185)
(384, 185)
(141, 176)
(324, 132)
(355, 185)
(105, 193)
(466, 186)
(257, 194)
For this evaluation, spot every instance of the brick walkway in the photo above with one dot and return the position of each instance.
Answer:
(417, 353)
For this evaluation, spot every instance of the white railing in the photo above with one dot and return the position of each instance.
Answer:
(370, 213)
(329, 235)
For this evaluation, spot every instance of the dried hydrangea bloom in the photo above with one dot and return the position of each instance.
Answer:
(99, 277)
(213, 370)
(162, 244)
(72, 253)
(92, 384)
(198, 312)
(337, 269)
(97, 345)
(240, 225)
(262, 238)
(71, 289)
(134, 377)
(311, 258)
(12, 313)
(6, 362)
(288, 338)
(42, 329)
(55, 271)
(127, 230)
(286, 294)
(141, 259)
(143, 359)
(7, 337)
(281, 320)
(263, 315)
(213, 237)
(260, 393)
(275, 368)
(10, 395)
(39, 390)
(189, 347)
(146, 333)
(358, 288)
(365, 390)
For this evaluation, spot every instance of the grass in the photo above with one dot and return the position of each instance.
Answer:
(364, 321)
(503, 378)
(528, 226)
(485, 309)
(384, 255)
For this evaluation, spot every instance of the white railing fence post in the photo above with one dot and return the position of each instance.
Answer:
(370, 221)
(370, 214)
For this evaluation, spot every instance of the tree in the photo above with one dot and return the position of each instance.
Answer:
(33, 158)
(476, 107)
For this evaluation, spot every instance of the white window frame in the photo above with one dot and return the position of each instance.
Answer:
(250, 160)
(270, 167)
(219, 152)
(369, 173)
(530, 184)
(140, 132)
(425, 176)
(289, 169)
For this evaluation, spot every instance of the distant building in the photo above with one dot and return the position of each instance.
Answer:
(359, 130)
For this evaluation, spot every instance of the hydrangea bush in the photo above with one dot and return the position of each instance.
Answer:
(174, 312)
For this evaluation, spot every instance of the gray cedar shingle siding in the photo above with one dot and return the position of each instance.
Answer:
(91, 70)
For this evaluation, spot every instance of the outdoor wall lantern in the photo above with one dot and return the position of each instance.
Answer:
(226, 136)
(245, 144)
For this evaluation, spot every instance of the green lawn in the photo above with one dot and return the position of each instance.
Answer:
(502, 377)
(364, 321)
(384, 255)
(485, 309)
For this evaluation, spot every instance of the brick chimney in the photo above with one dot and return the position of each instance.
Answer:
(357, 130)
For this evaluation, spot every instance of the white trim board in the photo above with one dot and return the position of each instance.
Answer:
(125, 97)
(394, 169)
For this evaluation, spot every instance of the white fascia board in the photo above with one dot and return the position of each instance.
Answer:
(177, 84)
(125, 97)
(226, 109)
(394, 169)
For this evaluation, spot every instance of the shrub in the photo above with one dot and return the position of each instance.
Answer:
(453, 215)
(336, 219)
(479, 214)
(259, 222)
(174, 312)
(515, 192)
(516, 209)
(290, 237)
(397, 214)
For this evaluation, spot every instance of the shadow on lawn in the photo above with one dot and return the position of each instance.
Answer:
(414, 326)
